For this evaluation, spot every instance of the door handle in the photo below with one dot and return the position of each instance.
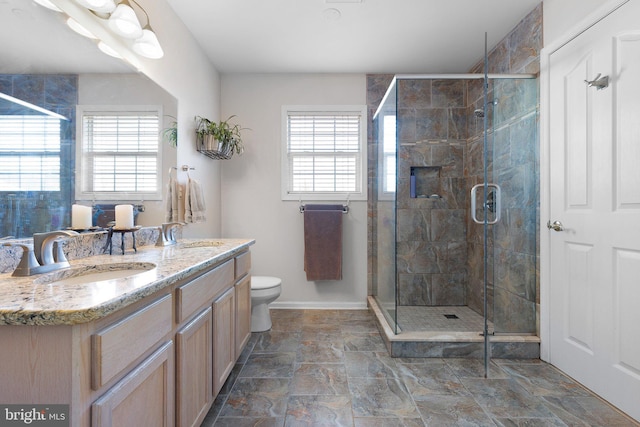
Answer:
(494, 205)
(556, 226)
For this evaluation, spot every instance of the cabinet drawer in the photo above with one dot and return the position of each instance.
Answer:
(144, 397)
(202, 290)
(243, 264)
(118, 345)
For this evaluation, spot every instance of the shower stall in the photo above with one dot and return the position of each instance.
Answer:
(454, 215)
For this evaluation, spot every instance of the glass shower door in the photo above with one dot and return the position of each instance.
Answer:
(384, 277)
(514, 167)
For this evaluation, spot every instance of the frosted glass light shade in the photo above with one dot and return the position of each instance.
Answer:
(48, 5)
(100, 6)
(148, 45)
(124, 22)
(75, 26)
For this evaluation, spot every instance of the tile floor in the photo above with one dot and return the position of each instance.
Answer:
(330, 368)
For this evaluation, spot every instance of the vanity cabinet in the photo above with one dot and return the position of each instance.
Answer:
(157, 362)
(243, 313)
(194, 369)
(224, 350)
(243, 301)
(144, 397)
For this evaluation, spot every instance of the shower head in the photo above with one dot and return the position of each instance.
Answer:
(480, 112)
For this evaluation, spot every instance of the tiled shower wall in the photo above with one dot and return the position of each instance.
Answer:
(513, 288)
(431, 233)
(439, 249)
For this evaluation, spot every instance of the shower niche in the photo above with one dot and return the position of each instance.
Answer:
(425, 182)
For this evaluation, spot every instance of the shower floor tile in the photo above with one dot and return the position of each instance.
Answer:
(449, 318)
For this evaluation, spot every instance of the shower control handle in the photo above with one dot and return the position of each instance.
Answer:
(496, 204)
(555, 226)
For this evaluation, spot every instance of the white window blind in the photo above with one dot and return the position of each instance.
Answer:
(30, 153)
(389, 154)
(120, 154)
(324, 153)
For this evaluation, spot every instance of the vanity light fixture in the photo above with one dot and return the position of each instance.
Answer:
(78, 28)
(148, 45)
(99, 6)
(48, 5)
(124, 22)
(105, 48)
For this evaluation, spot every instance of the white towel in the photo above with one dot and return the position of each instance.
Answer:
(194, 202)
(171, 202)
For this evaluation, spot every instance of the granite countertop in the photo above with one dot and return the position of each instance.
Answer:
(39, 300)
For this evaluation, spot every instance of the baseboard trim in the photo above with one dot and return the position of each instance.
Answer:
(305, 305)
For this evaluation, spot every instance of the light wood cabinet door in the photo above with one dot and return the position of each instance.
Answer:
(194, 370)
(243, 313)
(143, 398)
(224, 351)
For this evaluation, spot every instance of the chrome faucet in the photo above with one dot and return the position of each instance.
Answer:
(28, 264)
(167, 234)
(43, 244)
(41, 258)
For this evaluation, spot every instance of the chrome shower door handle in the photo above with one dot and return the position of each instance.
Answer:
(497, 202)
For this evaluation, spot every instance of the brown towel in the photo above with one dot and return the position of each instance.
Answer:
(323, 242)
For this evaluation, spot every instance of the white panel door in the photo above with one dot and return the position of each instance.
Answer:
(595, 196)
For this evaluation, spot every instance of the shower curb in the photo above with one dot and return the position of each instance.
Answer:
(452, 344)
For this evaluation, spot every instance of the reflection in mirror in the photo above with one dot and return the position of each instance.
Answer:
(48, 65)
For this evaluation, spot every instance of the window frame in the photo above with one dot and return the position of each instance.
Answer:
(81, 173)
(361, 155)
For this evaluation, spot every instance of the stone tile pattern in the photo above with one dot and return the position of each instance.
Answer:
(85, 245)
(439, 250)
(23, 214)
(330, 368)
(513, 291)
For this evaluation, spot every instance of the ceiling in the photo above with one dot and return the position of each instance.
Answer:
(284, 36)
(348, 36)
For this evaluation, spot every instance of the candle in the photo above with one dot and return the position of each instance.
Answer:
(124, 216)
(80, 217)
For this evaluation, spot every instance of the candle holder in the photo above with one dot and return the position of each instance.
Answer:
(122, 232)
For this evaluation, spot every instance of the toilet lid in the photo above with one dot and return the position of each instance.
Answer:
(264, 282)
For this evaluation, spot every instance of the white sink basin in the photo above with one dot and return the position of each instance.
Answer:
(97, 273)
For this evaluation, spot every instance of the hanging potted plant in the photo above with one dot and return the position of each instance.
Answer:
(218, 139)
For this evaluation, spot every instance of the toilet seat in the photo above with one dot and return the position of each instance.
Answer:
(264, 282)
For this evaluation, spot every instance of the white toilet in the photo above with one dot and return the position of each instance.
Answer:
(264, 290)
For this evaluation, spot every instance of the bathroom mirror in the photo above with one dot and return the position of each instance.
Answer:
(46, 64)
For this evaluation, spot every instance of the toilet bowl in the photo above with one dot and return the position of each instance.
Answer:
(264, 290)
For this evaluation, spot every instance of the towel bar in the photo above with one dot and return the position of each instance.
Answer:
(345, 209)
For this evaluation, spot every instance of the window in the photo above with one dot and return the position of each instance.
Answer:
(324, 153)
(30, 153)
(118, 153)
(389, 154)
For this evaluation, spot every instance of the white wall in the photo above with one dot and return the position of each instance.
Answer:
(251, 201)
(185, 73)
(560, 16)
